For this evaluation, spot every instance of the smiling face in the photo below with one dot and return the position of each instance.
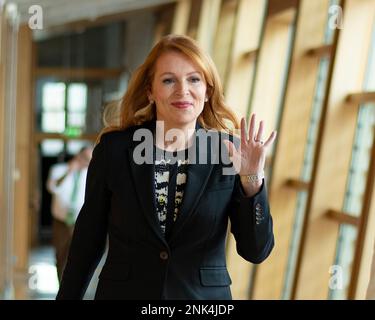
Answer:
(179, 90)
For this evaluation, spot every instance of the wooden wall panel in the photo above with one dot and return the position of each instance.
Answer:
(368, 272)
(195, 13)
(181, 17)
(361, 270)
(240, 74)
(224, 38)
(163, 22)
(208, 19)
(2, 137)
(248, 29)
(7, 149)
(333, 158)
(272, 64)
(291, 143)
(24, 116)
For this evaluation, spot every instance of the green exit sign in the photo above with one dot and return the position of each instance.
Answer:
(72, 132)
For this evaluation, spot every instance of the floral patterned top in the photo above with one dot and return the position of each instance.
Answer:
(170, 180)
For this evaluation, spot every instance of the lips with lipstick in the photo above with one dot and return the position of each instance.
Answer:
(182, 104)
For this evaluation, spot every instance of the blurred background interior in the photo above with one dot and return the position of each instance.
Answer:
(306, 67)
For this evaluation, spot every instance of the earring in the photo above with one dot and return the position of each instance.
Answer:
(151, 102)
(205, 100)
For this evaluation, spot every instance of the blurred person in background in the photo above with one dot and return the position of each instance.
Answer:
(66, 182)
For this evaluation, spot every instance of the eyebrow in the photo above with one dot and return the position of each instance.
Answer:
(167, 73)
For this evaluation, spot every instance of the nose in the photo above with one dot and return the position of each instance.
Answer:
(182, 88)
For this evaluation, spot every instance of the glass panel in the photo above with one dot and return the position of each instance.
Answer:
(53, 122)
(306, 175)
(354, 194)
(53, 96)
(77, 97)
(370, 77)
(357, 176)
(52, 147)
(344, 257)
(76, 120)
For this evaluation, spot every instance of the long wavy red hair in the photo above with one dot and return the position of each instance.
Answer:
(135, 108)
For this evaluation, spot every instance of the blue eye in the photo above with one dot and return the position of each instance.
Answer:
(168, 81)
(195, 79)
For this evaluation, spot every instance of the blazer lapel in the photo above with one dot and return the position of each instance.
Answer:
(198, 175)
(143, 179)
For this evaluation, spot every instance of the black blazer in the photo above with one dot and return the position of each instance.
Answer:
(141, 264)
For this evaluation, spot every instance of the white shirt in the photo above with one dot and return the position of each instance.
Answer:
(62, 194)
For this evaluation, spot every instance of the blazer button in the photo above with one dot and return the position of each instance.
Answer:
(164, 255)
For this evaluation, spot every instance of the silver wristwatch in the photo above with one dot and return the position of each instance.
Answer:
(253, 178)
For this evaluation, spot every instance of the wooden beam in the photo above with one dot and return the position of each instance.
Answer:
(277, 6)
(343, 217)
(22, 198)
(8, 77)
(224, 38)
(181, 17)
(251, 54)
(241, 71)
(3, 226)
(329, 179)
(297, 184)
(366, 234)
(80, 73)
(195, 13)
(273, 279)
(208, 20)
(360, 97)
(159, 31)
(163, 21)
(246, 38)
(370, 290)
(321, 51)
(35, 169)
(39, 137)
(272, 69)
(285, 17)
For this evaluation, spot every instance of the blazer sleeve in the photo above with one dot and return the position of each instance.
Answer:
(251, 224)
(90, 232)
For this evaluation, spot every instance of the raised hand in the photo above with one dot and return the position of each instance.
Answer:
(250, 158)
